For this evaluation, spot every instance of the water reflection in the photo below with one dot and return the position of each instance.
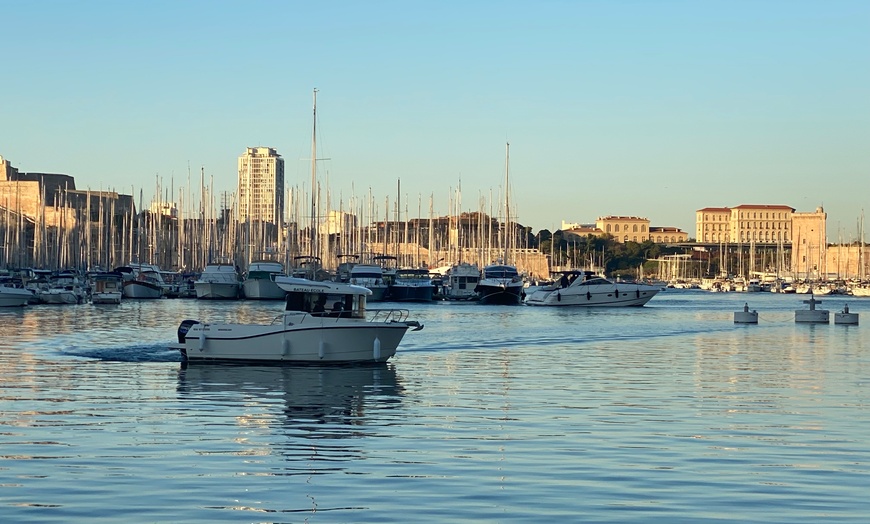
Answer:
(309, 401)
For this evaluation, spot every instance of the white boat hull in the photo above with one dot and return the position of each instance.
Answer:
(216, 290)
(613, 295)
(139, 289)
(59, 297)
(106, 297)
(262, 289)
(14, 297)
(323, 341)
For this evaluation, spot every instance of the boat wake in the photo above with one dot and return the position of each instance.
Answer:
(143, 353)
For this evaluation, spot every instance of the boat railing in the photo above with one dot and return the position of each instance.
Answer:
(388, 315)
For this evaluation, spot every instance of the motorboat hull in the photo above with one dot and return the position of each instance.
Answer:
(106, 297)
(14, 297)
(216, 290)
(411, 293)
(262, 289)
(60, 297)
(320, 341)
(612, 295)
(141, 289)
(500, 294)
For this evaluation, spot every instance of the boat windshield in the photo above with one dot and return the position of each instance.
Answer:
(326, 304)
(501, 272)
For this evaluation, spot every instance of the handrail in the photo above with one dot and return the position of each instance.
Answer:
(388, 315)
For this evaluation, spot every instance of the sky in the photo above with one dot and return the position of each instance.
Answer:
(643, 108)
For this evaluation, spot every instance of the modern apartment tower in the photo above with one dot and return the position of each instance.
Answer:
(261, 186)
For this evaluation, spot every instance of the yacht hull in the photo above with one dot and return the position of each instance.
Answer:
(613, 295)
(262, 289)
(500, 294)
(216, 290)
(330, 341)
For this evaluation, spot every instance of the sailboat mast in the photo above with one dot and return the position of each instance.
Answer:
(507, 163)
(313, 244)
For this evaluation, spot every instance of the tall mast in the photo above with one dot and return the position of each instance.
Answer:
(507, 163)
(314, 247)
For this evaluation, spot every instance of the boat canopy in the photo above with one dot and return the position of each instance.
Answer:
(303, 285)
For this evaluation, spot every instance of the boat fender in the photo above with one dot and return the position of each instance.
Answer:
(558, 296)
(202, 340)
(321, 350)
(616, 292)
(376, 351)
(588, 295)
(637, 293)
(285, 347)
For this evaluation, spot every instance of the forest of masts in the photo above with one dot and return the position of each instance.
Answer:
(190, 233)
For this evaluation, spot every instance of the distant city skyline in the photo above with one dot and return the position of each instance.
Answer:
(650, 109)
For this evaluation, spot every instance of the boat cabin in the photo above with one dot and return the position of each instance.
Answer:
(324, 299)
(580, 278)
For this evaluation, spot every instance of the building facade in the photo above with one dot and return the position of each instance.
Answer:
(810, 244)
(261, 186)
(624, 228)
(745, 224)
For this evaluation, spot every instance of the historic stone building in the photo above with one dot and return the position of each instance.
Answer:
(628, 229)
(744, 224)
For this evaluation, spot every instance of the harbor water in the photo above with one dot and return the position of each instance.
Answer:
(666, 413)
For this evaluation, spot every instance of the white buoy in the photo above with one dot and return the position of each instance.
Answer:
(845, 317)
(201, 340)
(376, 351)
(321, 350)
(746, 316)
(812, 315)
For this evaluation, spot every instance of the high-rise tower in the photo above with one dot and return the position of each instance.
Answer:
(261, 185)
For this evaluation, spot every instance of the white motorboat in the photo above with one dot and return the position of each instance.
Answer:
(107, 288)
(12, 296)
(461, 282)
(586, 288)
(500, 284)
(412, 285)
(370, 276)
(307, 331)
(259, 283)
(141, 281)
(64, 287)
(218, 281)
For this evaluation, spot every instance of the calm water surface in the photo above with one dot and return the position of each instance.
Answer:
(667, 413)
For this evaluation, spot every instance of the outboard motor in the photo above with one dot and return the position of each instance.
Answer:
(184, 328)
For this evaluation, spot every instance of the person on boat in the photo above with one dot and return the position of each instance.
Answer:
(320, 306)
(563, 282)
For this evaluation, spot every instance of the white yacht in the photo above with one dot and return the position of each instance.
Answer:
(370, 276)
(259, 281)
(461, 282)
(323, 322)
(14, 295)
(141, 281)
(500, 284)
(106, 288)
(65, 287)
(586, 288)
(218, 281)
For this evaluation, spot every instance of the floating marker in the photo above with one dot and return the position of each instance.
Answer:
(812, 315)
(746, 316)
(845, 317)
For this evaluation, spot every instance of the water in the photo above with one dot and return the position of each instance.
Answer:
(667, 413)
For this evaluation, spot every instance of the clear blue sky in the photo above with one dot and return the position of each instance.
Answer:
(650, 108)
